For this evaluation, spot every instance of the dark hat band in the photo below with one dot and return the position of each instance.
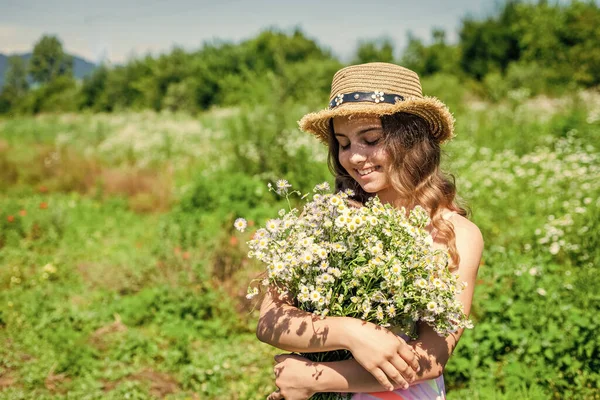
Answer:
(373, 97)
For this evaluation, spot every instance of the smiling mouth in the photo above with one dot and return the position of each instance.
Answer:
(367, 171)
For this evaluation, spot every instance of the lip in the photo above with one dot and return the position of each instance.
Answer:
(374, 169)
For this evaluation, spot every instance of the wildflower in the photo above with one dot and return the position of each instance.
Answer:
(326, 278)
(335, 272)
(375, 250)
(366, 306)
(340, 221)
(335, 201)
(240, 224)
(252, 293)
(379, 313)
(541, 291)
(391, 310)
(315, 296)
(432, 306)
(279, 267)
(421, 283)
(10, 218)
(322, 187)
(303, 297)
(307, 258)
(273, 225)
(22, 213)
(282, 185)
(43, 205)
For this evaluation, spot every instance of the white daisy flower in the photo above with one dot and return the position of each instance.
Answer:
(282, 185)
(432, 306)
(252, 293)
(273, 225)
(240, 224)
(421, 283)
(315, 296)
(379, 314)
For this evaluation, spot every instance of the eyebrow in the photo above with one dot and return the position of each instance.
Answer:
(361, 132)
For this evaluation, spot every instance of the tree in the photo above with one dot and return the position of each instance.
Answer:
(49, 61)
(381, 50)
(16, 76)
(428, 60)
(490, 45)
(15, 85)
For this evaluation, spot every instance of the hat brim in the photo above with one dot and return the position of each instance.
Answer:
(432, 110)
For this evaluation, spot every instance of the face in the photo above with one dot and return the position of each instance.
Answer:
(362, 153)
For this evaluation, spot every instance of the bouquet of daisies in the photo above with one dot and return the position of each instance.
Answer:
(373, 262)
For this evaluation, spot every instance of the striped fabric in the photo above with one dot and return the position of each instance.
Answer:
(433, 389)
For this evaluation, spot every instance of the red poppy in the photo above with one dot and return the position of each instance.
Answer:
(10, 218)
(43, 205)
(22, 213)
(233, 241)
(186, 255)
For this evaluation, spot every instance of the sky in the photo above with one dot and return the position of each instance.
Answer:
(117, 30)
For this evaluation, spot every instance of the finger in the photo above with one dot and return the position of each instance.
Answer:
(404, 369)
(382, 378)
(408, 355)
(395, 375)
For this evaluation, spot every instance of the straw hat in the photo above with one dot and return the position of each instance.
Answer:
(377, 89)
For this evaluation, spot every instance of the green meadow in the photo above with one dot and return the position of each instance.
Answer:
(121, 275)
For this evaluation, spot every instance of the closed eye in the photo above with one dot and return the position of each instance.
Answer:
(368, 143)
(374, 142)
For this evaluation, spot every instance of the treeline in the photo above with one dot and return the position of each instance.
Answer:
(532, 47)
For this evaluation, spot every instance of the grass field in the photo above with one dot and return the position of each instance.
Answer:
(121, 277)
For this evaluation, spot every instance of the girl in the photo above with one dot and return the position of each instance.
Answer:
(384, 140)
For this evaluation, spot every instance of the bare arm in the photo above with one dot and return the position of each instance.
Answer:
(380, 352)
(288, 328)
(433, 351)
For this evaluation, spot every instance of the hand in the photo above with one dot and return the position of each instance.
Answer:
(385, 355)
(292, 377)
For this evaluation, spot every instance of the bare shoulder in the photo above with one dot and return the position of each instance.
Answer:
(466, 229)
(469, 241)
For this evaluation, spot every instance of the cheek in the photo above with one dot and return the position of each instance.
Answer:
(343, 158)
(382, 157)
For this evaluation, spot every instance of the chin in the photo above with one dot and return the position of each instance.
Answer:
(372, 187)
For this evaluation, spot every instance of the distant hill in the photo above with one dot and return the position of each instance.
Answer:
(81, 67)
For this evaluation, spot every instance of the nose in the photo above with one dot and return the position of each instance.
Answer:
(358, 155)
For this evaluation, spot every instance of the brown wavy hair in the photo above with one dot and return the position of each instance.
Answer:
(414, 172)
